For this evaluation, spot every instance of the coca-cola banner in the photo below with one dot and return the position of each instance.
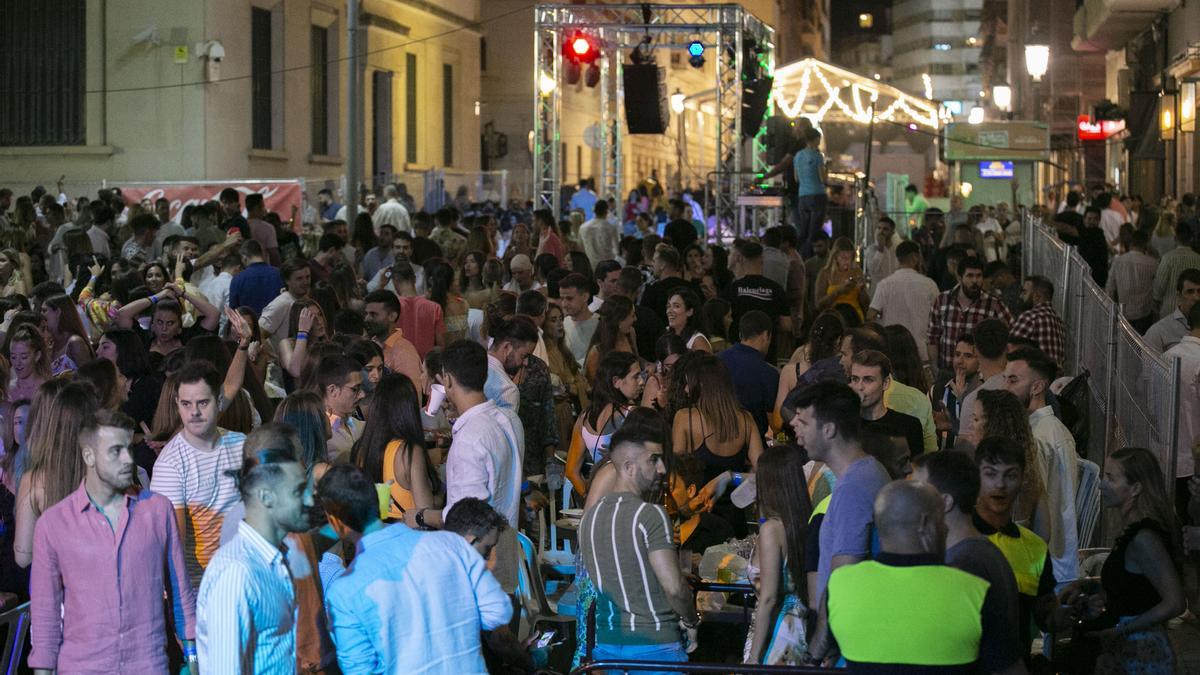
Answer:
(279, 196)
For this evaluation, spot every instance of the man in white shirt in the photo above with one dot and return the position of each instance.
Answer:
(512, 341)
(1188, 352)
(906, 297)
(1131, 282)
(579, 324)
(599, 237)
(1169, 330)
(1028, 375)
(392, 212)
(246, 610)
(608, 278)
(1111, 219)
(191, 469)
(216, 288)
(485, 455)
(881, 257)
(297, 280)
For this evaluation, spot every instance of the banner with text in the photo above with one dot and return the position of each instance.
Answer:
(280, 196)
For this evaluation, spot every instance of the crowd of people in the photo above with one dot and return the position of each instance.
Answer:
(319, 439)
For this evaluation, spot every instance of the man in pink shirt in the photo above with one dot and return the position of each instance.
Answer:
(262, 231)
(381, 311)
(102, 558)
(420, 318)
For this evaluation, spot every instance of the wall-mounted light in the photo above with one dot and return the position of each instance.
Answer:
(1002, 95)
(1187, 107)
(1166, 116)
(1037, 60)
(975, 116)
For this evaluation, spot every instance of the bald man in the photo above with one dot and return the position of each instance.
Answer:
(871, 604)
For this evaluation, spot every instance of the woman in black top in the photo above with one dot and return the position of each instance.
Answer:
(1140, 588)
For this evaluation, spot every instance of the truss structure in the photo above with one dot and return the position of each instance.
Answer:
(725, 29)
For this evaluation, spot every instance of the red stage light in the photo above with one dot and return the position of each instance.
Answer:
(581, 46)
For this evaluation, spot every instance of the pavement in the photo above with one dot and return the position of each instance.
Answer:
(1185, 638)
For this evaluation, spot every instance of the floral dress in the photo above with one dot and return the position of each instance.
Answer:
(788, 639)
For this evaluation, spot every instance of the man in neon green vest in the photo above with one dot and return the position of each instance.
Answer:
(906, 611)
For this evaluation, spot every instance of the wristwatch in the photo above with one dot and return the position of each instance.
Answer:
(421, 520)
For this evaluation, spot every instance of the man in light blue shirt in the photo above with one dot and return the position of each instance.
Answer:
(584, 199)
(411, 601)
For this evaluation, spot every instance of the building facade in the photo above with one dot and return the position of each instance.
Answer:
(162, 90)
(935, 50)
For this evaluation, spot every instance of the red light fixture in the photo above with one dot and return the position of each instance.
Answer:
(579, 48)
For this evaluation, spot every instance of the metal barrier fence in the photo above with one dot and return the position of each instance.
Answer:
(1134, 391)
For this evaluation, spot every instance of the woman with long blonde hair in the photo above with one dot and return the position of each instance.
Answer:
(841, 282)
(55, 467)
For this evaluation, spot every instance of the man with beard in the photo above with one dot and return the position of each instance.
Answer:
(246, 610)
(1001, 472)
(1039, 322)
(103, 557)
(191, 471)
(381, 312)
(958, 310)
(1028, 375)
(512, 341)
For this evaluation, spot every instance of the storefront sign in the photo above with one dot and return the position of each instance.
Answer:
(1087, 130)
(999, 140)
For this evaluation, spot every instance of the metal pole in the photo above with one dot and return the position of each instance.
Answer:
(870, 142)
(353, 101)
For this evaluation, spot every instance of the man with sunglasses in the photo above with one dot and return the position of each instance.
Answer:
(341, 383)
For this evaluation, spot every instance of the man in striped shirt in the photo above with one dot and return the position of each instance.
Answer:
(642, 600)
(1131, 282)
(191, 470)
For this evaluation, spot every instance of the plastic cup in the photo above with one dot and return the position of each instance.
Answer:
(437, 394)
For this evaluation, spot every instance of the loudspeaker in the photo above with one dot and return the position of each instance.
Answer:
(755, 95)
(645, 98)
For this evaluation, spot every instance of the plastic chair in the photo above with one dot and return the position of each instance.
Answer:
(1087, 501)
(531, 593)
(16, 628)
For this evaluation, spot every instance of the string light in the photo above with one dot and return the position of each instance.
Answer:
(918, 111)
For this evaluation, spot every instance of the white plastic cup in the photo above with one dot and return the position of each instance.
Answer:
(437, 394)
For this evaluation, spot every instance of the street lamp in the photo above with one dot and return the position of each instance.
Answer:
(1002, 95)
(677, 102)
(1166, 116)
(1037, 60)
(1187, 107)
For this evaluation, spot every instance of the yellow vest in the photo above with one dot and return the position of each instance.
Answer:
(924, 615)
(1026, 555)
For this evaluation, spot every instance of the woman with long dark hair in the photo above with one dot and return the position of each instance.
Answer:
(907, 366)
(667, 351)
(470, 280)
(123, 347)
(813, 362)
(71, 347)
(777, 633)
(570, 387)
(1140, 584)
(614, 390)
(305, 412)
(685, 318)
(392, 447)
(614, 332)
(307, 327)
(442, 288)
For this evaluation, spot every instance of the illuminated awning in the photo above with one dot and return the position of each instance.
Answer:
(822, 92)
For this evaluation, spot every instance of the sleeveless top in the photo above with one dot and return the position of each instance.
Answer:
(596, 446)
(714, 464)
(695, 336)
(401, 499)
(1127, 593)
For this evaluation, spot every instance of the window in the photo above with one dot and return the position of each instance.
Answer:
(410, 107)
(320, 90)
(483, 55)
(260, 78)
(866, 20)
(447, 114)
(42, 72)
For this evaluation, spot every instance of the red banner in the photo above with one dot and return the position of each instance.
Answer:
(279, 196)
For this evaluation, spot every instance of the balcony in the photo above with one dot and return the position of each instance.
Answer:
(1102, 25)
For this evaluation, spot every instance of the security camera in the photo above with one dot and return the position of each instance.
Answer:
(212, 50)
(148, 36)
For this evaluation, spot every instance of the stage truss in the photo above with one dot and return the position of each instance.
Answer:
(618, 28)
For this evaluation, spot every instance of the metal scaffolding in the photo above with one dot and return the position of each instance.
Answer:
(725, 29)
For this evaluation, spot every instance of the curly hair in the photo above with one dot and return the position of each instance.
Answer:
(1005, 417)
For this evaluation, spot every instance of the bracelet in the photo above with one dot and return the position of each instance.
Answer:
(189, 651)
(154, 299)
(737, 479)
(301, 335)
